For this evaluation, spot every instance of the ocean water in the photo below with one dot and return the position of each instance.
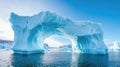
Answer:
(58, 59)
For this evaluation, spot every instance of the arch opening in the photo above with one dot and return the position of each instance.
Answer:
(58, 43)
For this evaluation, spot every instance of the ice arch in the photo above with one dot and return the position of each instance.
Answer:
(30, 32)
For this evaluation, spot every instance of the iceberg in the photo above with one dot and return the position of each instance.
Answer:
(66, 48)
(115, 46)
(31, 31)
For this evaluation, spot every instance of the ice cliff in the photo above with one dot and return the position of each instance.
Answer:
(31, 31)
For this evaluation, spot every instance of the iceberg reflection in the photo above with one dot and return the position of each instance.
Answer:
(59, 59)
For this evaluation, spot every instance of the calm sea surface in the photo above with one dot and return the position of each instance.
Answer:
(58, 59)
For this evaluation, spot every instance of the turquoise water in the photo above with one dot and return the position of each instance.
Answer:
(58, 59)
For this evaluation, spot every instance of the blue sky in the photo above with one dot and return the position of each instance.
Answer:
(106, 12)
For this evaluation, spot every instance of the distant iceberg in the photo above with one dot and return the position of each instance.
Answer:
(31, 31)
(115, 46)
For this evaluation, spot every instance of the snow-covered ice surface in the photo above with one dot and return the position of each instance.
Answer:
(31, 31)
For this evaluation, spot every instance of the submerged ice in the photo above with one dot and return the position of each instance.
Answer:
(31, 31)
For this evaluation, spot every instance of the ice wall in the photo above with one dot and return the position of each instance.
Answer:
(31, 31)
